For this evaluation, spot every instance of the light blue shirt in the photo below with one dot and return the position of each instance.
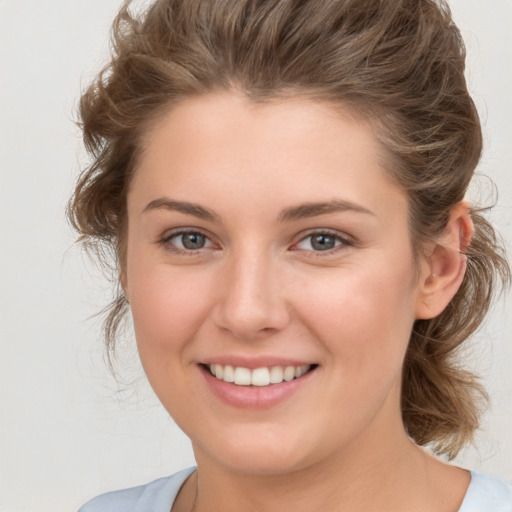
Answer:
(485, 493)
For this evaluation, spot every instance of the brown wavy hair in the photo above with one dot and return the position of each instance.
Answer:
(397, 63)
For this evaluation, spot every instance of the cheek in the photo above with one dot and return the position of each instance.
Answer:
(363, 317)
(168, 307)
(167, 312)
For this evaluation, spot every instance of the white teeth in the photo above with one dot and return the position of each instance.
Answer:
(276, 375)
(258, 377)
(218, 371)
(229, 374)
(289, 373)
(301, 370)
(242, 376)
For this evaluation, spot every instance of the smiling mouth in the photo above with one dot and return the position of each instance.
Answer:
(265, 376)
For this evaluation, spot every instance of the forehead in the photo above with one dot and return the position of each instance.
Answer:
(288, 150)
(210, 116)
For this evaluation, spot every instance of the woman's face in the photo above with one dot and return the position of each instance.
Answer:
(265, 241)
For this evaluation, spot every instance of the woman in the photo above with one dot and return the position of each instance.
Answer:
(282, 184)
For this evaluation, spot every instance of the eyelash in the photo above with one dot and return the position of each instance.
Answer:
(168, 245)
(343, 242)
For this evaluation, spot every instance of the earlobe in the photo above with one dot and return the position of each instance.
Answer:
(444, 269)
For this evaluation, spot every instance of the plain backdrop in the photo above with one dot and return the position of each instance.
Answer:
(68, 430)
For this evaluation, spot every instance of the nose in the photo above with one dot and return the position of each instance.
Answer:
(251, 303)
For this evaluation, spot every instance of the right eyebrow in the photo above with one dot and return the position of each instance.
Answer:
(185, 207)
(308, 210)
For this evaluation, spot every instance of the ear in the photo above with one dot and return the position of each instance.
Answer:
(443, 269)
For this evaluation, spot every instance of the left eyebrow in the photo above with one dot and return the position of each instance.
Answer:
(307, 210)
(185, 207)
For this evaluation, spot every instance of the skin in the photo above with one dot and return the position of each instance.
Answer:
(258, 290)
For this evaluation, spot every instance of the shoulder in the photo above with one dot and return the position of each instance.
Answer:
(156, 496)
(487, 493)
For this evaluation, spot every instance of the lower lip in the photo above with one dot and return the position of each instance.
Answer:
(254, 397)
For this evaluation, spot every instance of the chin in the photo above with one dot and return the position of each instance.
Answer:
(259, 453)
(257, 462)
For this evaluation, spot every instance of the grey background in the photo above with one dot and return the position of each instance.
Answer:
(68, 430)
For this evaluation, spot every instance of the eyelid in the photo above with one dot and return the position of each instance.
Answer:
(165, 240)
(346, 240)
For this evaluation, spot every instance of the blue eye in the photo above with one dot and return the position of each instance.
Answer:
(320, 242)
(193, 240)
(188, 241)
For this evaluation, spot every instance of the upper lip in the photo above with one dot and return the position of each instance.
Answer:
(254, 362)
